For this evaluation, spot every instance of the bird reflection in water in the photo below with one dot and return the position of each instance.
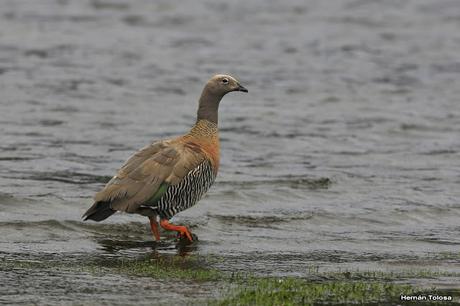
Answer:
(182, 246)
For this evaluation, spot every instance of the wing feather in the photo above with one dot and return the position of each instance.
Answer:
(141, 176)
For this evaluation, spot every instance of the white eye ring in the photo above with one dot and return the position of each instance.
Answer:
(225, 81)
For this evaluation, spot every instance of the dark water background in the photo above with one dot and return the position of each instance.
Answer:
(344, 154)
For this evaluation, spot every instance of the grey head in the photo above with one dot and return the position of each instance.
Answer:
(214, 90)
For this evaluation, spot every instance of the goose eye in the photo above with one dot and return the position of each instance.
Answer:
(225, 81)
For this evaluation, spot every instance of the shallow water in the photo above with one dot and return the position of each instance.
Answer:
(344, 154)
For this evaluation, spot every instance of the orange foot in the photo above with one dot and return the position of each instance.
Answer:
(154, 228)
(182, 230)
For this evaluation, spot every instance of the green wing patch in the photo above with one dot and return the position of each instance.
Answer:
(158, 194)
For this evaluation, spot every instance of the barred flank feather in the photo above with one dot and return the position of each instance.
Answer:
(185, 194)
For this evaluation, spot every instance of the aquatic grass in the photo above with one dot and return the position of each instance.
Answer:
(200, 268)
(332, 288)
(296, 291)
(170, 268)
(380, 275)
(164, 267)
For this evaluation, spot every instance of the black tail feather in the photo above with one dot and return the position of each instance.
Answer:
(99, 211)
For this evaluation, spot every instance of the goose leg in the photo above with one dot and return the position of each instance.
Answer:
(154, 228)
(182, 230)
